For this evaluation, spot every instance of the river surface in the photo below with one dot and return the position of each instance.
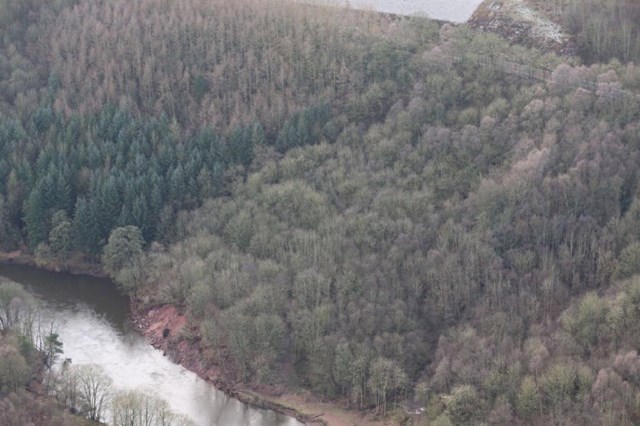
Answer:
(458, 11)
(92, 319)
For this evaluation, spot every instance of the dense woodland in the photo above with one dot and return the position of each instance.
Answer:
(371, 207)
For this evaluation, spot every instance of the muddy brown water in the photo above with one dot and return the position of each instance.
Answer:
(92, 318)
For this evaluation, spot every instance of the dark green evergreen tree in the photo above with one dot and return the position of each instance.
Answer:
(86, 234)
(36, 218)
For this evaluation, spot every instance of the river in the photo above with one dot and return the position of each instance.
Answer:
(458, 11)
(92, 318)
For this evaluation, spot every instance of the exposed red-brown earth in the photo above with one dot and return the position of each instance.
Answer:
(169, 330)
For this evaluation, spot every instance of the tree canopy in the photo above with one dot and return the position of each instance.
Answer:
(372, 207)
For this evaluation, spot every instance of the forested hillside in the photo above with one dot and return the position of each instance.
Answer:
(440, 254)
(378, 209)
(100, 133)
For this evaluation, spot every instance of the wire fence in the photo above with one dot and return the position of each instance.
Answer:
(526, 71)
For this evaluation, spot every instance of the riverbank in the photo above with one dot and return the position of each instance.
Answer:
(76, 265)
(168, 330)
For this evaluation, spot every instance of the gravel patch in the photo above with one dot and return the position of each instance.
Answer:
(542, 27)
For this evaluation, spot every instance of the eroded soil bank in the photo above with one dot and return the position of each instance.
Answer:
(168, 329)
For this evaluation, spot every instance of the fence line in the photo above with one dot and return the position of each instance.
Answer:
(518, 69)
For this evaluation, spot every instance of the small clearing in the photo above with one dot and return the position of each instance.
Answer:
(519, 22)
